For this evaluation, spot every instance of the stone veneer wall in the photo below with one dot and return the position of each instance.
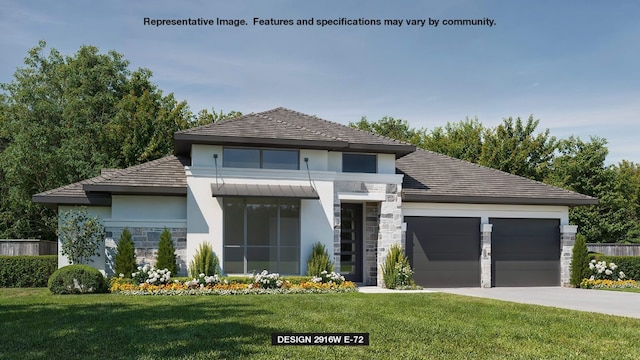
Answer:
(567, 240)
(145, 241)
(389, 225)
(485, 255)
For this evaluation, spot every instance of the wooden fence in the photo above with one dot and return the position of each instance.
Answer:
(28, 247)
(615, 249)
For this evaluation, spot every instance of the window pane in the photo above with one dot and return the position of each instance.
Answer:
(289, 222)
(262, 258)
(280, 159)
(233, 221)
(241, 158)
(262, 222)
(233, 260)
(289, 260)
(360, 163)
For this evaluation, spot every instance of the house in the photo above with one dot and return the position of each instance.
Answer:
(264, 187)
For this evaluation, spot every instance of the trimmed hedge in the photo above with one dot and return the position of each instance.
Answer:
(630, 265)
(77, 279)
(27, 271)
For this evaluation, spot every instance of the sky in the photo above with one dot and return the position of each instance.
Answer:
(572, 64)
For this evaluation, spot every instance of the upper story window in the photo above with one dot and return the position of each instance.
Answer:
(359, 163)
(260, 158)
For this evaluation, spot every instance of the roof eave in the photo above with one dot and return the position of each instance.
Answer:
(408, 197)
(137, 190)
(54, 201)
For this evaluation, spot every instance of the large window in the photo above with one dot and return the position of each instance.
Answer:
(359, 163)
(261, 234)
(261, 158)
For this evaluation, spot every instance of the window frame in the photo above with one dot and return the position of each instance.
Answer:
(375, 157)
(261, 161)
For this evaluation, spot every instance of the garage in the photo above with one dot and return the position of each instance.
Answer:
(444, 251)
(525, 252)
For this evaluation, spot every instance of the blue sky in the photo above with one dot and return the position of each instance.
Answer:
(572, 64)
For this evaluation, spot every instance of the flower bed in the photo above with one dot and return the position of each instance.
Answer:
(609, 284)
(263, 283)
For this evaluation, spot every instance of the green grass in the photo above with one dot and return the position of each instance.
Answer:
(37, 325)
(633, 290)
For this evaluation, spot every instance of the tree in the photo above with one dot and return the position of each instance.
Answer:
(81, 235)
(166, 253)
(205, 117)
(393, 128)
(579, 261)
(461, 140)
(514, 148)
(125, 261)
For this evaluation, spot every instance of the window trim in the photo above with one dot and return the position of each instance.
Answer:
(261, 150)
(375, 156)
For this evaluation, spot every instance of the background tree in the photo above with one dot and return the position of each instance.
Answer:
(461, 140)
(393, 128)
(166, 253)
(81, 235)
(125, 261)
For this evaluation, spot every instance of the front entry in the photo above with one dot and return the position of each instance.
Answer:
(351, 242)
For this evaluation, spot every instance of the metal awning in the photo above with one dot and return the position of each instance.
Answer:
(252, 190)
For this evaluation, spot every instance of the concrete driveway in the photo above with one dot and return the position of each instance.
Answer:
(599, 301)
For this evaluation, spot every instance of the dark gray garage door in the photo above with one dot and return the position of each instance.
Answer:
(444, 251)
(525, 252)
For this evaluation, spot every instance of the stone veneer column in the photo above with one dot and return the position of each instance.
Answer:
(390, 228)
(485, 255)
(567, 240)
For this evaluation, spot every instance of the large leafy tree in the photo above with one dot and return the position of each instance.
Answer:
(63, 118)
(393, 128)
(461, 140)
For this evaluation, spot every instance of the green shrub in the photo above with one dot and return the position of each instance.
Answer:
(319, 260)
(77, 279)
(630, 265)
(579, 261)
(166, 253)
(204, 261)
(396, 271)
(125, 262)
(27, 271)
(81, 235)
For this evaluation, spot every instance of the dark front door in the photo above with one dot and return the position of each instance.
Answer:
(351, 241)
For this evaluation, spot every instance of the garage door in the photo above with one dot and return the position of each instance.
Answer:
(444, 251)
(525, 252)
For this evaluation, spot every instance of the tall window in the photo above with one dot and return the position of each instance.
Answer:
(261, 234)
(261, 158)
(359, 163)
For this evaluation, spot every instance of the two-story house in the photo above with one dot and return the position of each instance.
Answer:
(264, 187)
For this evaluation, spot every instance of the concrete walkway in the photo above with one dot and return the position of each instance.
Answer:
(598, 301)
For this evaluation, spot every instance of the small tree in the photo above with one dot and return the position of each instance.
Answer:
(80, 235)
(319, 260)
(166, 253)
(204, 261)
(125, 262)
(579, 261)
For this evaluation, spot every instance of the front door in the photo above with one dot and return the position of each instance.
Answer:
(351, 242)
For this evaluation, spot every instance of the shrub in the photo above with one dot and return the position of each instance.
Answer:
(630, 265)
(396, 271)
(77, 279)
(600, 270)
(27, 271)
(204, 261)
(149, 275)
(579, 261)
(81, 235)
(125, 262)
(166, 253)
(319, 260)
(326, 277)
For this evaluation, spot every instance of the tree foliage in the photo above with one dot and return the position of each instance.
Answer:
(63, 118)
(579, 261)
(81, 235)
(125, 261)
(166, 253)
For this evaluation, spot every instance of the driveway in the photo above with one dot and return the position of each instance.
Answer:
(600, 301)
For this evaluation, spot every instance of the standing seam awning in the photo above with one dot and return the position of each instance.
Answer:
(279, 191)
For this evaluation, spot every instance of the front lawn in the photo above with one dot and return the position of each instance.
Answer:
(37, 325)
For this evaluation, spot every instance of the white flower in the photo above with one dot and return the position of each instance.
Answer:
(591, 266)
(608, 272)
(593, 261)
(621, 275)
(121, 275)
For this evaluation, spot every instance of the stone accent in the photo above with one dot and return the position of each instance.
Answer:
(567, 240)
(145, 241)
(485, 255)
(383, 225)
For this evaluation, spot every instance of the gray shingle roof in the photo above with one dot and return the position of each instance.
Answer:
(282, 127)
(164, 176)
(432, 177)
